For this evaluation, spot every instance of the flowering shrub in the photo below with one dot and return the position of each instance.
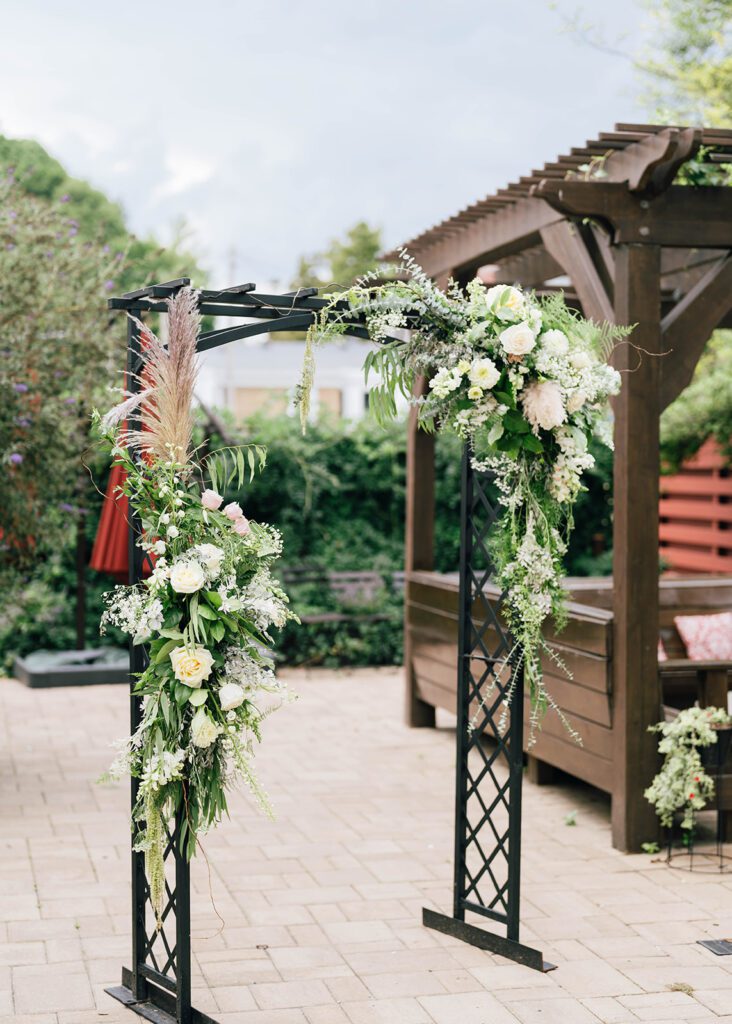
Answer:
(524, 382)
(204, 613)
(683, 784)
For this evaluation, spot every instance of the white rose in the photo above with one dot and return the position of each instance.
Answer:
(555, 342)
(159, 547)
(543, 406)
(231, 696)
(165, 518)
(211, 556)
(576, 400)
(505, 302)
(484, 373)
(518, 340)
(580, 360)
(191, 665)
(172, 531)
(187, 577)
(233, 510)
(203, 730)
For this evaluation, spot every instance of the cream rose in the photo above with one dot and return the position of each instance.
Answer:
(484, 373)
(203, 730)
(187, 577)
(231, 696)
(518, 340)
(191, 665)
(211, 500)
(506, 302)
(555, 342)
(543, 405)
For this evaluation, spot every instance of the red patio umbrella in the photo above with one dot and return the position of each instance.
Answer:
(110, 544)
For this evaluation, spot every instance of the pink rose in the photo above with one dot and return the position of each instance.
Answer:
(211, 500)
(241, 526)
(233, 511)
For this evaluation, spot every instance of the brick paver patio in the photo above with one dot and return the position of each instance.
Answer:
(322, 907)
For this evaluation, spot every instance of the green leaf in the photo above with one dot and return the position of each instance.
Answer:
(182, 693)
(165, 650)
(218, 631)
(515, 422)
(532, 444)
(505, 398)
(174, 634)
(165, 707)
(198, 697)
(207, 613)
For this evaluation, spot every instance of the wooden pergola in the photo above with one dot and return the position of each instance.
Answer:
(637, 249)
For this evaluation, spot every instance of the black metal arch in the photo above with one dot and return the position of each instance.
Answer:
(488, 802)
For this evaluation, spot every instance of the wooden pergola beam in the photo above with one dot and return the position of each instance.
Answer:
(687, 327)
(565, 242)
(681, 216)
(509, 230)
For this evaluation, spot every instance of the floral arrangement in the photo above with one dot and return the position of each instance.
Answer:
(203, 614)
(525, 382)
(683, 783)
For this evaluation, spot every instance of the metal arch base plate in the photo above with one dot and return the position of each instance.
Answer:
(486, 940)
(158, 1008)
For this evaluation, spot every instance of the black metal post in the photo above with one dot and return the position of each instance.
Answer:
(487, 801)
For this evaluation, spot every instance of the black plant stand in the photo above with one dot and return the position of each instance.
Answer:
(487, 824)
(714, 758)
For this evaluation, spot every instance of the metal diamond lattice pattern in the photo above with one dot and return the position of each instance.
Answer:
(487, 848)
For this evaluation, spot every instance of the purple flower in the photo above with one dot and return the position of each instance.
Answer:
(10, 246)
(73, 232)
(16, 458)
(65, 507)
(109, 285)
(20, 388)
(105, 248)
(24, 421)
(69, 401)
(65, 198)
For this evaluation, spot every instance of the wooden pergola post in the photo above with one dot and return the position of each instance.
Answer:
(637, 697)
(419, 543)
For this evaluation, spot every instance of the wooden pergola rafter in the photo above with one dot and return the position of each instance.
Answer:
(637, 249)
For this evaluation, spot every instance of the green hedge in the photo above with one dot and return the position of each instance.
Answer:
(337, 495)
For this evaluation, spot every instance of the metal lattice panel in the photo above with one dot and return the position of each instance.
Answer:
(488, 797)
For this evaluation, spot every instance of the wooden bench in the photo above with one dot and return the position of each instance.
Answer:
(586, 646)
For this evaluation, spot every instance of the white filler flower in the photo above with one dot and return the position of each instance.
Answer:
(191, 665)
(555, 342)
(518, 340)
(187, 577)
(211, 556)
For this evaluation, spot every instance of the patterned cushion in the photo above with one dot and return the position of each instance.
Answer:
(706, 637)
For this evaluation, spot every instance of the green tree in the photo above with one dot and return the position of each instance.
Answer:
(689, 65)
(97, 218)
(343, 261)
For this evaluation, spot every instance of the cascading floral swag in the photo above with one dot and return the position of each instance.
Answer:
(525, 382)
(203, 613)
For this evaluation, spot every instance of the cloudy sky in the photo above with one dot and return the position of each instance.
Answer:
(272, 126)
